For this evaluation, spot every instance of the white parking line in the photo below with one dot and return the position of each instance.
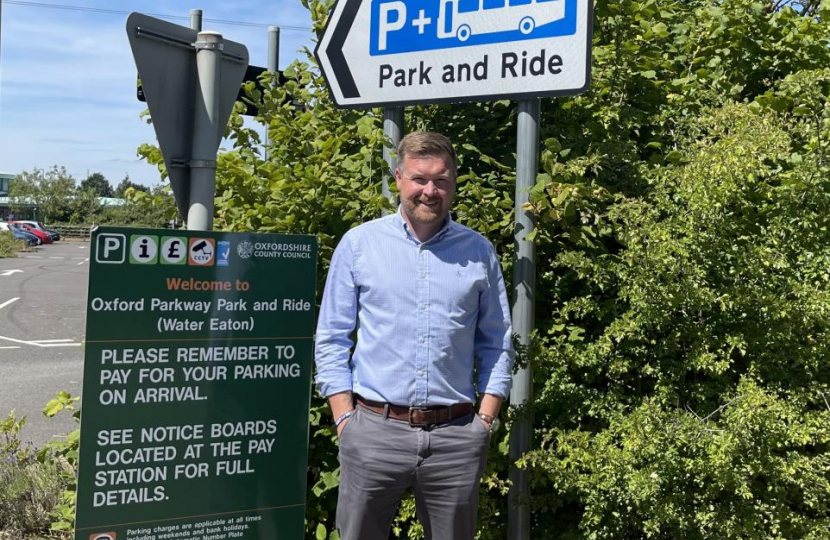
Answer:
(9, 302)
(52, 341)
(11, 347)
(32, 257)
(36, 344)
(61, 258)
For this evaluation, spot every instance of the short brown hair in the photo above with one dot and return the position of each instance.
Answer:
(426, 143)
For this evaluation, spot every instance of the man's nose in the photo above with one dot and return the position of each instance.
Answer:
(430, 189)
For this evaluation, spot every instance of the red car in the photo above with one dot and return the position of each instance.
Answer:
(43, 235)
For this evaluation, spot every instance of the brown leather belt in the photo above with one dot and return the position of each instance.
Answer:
(424, 417)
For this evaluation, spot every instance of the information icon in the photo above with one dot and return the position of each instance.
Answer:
(143, 249)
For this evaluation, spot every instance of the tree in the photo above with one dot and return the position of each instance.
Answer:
(86, 207)
(143, 208)
(51, 191)
(125, 184)
(98, 184)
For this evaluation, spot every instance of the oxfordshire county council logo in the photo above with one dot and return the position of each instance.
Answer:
(245, 249)
(102, 536)
(223, 253)
(202, 251)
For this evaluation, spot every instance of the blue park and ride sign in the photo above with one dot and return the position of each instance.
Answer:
(402, 52)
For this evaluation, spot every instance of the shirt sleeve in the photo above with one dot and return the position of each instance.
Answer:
(494, 334)
(338, 313)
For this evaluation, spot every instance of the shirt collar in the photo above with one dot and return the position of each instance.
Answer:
(401, 225)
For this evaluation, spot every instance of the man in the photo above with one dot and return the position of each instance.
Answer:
(428, 300)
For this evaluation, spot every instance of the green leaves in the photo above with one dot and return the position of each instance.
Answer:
(684, 474)
(63, 401)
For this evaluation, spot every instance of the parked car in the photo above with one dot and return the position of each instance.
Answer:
(41, 227)
(21, 234)
(44, 236)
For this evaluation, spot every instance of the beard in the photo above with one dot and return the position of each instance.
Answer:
(424, 214)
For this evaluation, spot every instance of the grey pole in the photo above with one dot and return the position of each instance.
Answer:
(196, 19)
(273, 66)
(392, 128)
(273, 48)
(524, 296)
(206, 131)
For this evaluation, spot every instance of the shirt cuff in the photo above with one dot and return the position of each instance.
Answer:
(330, 388)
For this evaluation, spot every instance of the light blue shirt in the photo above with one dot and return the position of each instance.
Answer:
(425, 312)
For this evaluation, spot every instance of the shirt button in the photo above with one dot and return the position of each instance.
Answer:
(420, 373)
(423, 307)
(423, 275)
(422, 340)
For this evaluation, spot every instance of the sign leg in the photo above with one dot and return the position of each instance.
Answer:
(206, 131)
(392, 128)
(524, 293)
(273, 66)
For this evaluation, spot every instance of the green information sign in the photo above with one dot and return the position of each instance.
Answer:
(197, 382)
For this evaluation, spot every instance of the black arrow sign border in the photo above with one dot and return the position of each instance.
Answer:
(334, 51)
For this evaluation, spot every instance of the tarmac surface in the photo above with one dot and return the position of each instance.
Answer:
(42, 325)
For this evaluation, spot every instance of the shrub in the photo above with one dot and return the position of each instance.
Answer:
(31, 485)
(9, 245)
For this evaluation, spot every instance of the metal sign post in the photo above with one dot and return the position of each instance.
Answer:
(400, 52)
(524, 299)
(273, 66)
(392, 128)
(190, 80)
(205, 126)
(196, 19)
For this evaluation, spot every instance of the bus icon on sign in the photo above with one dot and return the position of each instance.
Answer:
(399, 26)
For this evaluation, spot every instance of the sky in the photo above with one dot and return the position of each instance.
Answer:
(67, 77)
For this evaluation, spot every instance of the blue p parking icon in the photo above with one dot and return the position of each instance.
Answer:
(111, 248)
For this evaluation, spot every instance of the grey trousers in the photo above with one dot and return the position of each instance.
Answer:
(381, 457)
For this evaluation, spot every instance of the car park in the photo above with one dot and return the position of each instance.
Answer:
(44, 236)
(41, 227)
(21, 233)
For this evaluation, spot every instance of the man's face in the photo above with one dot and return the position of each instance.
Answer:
(426, 185)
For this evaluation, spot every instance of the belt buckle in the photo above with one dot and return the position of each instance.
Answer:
(425, 425)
